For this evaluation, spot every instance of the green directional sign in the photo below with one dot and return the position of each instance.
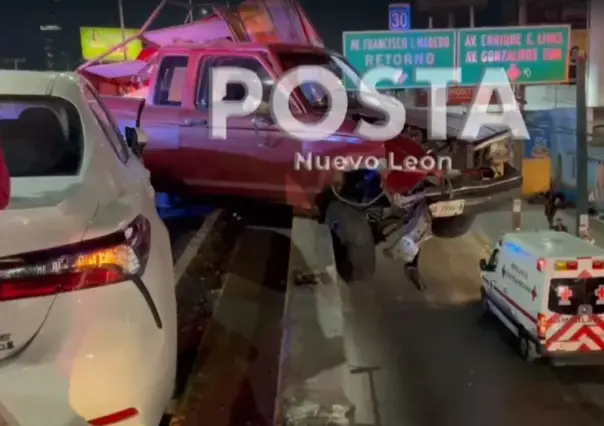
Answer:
(529, 55)
(404, 51)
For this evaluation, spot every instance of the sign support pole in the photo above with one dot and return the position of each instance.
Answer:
(582, 156)
(518, 145)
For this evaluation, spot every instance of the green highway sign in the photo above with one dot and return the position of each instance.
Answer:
(529, 55)
(405, 51)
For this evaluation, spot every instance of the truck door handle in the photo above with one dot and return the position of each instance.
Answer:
(201, 122)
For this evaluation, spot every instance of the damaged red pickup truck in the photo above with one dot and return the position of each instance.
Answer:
(362, 207)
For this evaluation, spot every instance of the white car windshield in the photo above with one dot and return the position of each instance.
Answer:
(40, 136)
(314, 93)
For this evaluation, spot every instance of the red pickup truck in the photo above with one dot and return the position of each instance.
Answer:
(4, 182)
(256, 160)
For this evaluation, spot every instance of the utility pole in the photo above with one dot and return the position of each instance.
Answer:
(122, 27)
(582, 157)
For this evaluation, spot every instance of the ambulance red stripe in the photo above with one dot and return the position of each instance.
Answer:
(562, 331)
(553, 320)
(586, 331)
(583, 331)
(508, 299)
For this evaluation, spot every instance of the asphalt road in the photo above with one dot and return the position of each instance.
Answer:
(430, 359)
(233, 376)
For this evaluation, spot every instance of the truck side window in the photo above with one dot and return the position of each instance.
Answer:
(107, 124)
(171, 81)
(252, 64)
(493, 260)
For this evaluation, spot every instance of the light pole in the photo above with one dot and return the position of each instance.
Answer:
(582, 155)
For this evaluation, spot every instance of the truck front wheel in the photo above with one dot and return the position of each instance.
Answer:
(354, 247)
(451, 227)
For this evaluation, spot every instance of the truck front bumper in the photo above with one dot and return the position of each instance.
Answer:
(481, 196)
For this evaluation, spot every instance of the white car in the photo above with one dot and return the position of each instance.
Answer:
(87, 293)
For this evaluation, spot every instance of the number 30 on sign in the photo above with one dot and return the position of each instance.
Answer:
(399, 16)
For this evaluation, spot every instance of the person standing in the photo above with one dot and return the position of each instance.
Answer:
(560, 226)
(4, 182)
(551, 208)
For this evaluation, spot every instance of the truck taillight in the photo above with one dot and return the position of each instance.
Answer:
(102, 261)
(597, 264)
(541, 326)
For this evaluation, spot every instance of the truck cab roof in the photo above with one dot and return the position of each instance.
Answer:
(222, 45)
(550, 244)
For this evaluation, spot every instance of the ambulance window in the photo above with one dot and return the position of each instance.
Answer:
(494, 260)
(566, 295)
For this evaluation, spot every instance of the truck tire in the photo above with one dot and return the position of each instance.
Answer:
(353, 241)
(451, 227)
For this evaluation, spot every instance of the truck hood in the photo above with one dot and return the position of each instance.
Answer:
(420, 117)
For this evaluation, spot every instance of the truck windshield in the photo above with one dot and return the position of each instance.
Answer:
(314, 93)
(567, 295)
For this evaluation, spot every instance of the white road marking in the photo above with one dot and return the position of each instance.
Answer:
(193, 246)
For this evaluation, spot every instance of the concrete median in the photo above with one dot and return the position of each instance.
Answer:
(313, 364)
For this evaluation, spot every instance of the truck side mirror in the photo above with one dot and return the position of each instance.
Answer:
(136, 139)
(482, 264)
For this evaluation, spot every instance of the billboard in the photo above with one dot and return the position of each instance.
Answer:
(96, 41)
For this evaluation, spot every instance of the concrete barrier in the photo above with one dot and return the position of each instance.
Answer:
(313, 367)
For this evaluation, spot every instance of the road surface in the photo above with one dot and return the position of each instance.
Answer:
(429, 359)
(234, 369)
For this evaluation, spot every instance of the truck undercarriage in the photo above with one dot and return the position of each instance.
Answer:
(482, 177)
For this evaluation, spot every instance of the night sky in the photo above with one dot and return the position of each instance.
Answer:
(20, 25)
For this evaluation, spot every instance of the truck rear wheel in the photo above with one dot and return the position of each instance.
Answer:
(354, 247)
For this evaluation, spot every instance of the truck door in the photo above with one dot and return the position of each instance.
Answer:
(253, 159)
(160, 120)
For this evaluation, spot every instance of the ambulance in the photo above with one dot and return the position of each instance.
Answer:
(547, 287)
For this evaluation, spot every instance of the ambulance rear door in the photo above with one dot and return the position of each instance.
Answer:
(575, 306)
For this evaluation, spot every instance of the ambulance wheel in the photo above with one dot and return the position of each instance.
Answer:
(526, 347)
(484, 304)
(353, 241)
